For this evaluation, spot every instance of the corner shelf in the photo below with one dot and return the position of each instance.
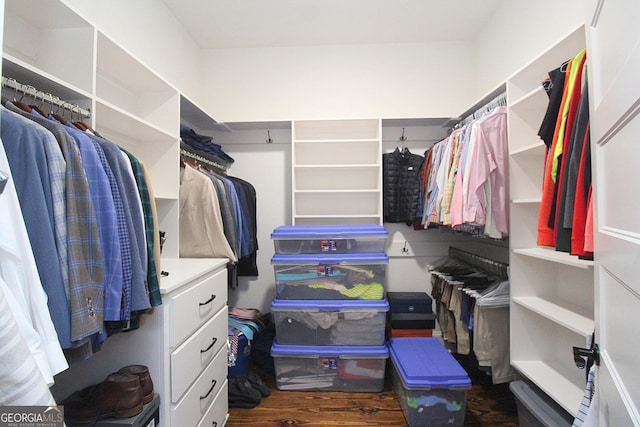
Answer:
(552, 293)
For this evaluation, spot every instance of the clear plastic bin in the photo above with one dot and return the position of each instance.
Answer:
(430, 384)
(322, 239)
(330, 368)
(325, 322)
(331, 276)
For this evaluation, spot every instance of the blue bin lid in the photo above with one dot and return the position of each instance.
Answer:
(424, 363)
(378, 351)
(329, 305)
(357, 258)
(329, 231)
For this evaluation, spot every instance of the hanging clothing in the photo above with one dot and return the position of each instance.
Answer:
(18, 270)
(467, 183)
(567, 169)
(86, 219)
(201, 229)
(401, 185)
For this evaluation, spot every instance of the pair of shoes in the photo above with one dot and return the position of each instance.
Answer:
(142, 372)
(246, 391)
(121, 395)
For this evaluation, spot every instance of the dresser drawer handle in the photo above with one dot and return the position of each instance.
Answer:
(210, 345)
(207, 301)
(210, 390)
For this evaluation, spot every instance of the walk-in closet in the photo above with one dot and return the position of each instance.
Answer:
(356, 213)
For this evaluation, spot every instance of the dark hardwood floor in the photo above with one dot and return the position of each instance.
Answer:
(488, 405)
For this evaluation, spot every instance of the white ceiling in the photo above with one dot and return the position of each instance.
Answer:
(270, 23)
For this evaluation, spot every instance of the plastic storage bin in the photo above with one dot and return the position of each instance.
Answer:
(331, 276)
(430, 384)
(326, 322)
(536, 409)
(318, 239)
(239, 355)
(331, 368)
(410, 310)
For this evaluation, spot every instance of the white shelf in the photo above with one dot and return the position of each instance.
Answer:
(336, 191)
(334, 166)
(123, 122)
(568, 318)
(552, 292)
(554, 383)
(337, 171)
(526, 200)
(338, 140)
(552, 255)
(531, 149)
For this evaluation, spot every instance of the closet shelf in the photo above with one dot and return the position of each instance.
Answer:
(338, 191)
(340, 216)
(554, 383)
(112, 116)
(25, 73)
(338, 166)
(549, 254)
(336, 140)
(531, 149)
(526, 200)
(566, 317)
(525, 101)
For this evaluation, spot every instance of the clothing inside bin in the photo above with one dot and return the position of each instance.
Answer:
(329, 373)
(330, 282)
(344, 328)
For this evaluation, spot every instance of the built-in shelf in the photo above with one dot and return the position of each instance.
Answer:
(549, 254)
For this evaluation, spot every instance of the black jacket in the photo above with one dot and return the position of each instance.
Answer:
(400, 185)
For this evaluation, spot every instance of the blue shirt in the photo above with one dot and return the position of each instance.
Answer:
(26, 156)
(105, 210)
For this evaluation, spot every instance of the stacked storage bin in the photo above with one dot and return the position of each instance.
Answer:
(330, 307)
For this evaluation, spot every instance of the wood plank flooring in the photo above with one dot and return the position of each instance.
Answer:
(488, 405)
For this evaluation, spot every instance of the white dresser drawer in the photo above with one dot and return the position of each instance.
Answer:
(192, 307)
(217, 414)
(188, 360)
(199, 398)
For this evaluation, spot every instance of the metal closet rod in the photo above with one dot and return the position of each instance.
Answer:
(45, 96)
(479, 261)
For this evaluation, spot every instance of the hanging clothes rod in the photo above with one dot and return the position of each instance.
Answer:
(498, 101)
(45, 96)
(201, 159)
(479, 261)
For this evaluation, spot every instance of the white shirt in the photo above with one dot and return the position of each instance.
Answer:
(18, 270)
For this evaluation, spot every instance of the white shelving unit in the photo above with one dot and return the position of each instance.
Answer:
(337, 171)
(552, 293)
(49, 46)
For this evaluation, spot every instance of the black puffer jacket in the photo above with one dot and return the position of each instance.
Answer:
(400, 185)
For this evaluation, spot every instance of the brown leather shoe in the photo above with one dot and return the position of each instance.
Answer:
(119, 396)
(142, 372)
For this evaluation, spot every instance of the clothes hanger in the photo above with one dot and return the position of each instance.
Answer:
(37, 107)
(79, 123)
(18, 102)
(55, 114)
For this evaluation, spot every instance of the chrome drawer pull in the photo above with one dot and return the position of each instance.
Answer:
(207, 301)
(210, 345)
(210, 390)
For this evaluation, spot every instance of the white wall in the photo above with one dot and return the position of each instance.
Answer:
(518, 32)
(390, 81)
